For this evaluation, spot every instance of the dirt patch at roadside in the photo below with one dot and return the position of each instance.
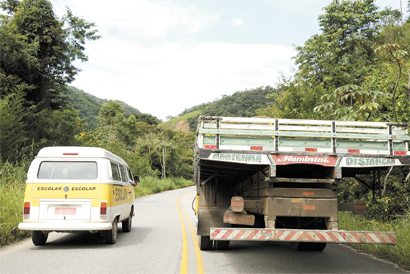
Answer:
(182, 125)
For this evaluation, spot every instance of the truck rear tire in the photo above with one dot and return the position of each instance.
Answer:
(319, 246)
(38, 238)
(221, 245)
(111, 235)
(204, 242)
(303, 246)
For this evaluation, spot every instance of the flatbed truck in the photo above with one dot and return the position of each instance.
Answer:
(266, 179)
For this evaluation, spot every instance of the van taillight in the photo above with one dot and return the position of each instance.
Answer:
(26, 210)
(103, 210)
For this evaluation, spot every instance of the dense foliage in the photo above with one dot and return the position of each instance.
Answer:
(356, 69)
(241, 104)
(39, 109)
(245, 103)
(37, 51)
(89, 106)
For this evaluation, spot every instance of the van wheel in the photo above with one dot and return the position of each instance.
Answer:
(38, 237)
(111, 235)
(204, 243)
(126, 224)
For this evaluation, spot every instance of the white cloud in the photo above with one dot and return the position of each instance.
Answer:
(237, 22)
(166, 79)
(142, 17)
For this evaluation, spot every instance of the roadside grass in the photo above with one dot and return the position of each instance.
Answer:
(12, 186)
(398, 254)
(151, 185)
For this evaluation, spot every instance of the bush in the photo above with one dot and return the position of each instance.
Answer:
(398, 253)
(13, 179)
(150, 185)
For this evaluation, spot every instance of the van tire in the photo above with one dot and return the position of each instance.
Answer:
(127, 224)
(111, 235)
(38, 238)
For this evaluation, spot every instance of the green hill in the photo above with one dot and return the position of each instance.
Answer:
(189, 118)
(240, 104)
(89, 106)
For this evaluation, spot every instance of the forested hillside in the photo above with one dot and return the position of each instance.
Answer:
(89, 106)
(245, 103)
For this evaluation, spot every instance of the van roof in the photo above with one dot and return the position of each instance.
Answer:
(78, 152)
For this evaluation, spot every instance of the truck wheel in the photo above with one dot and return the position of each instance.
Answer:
(126, 224)
(302, 246)
(318, 246)
(38, 237)
(111, 235)
(204, 243)
(221, 245)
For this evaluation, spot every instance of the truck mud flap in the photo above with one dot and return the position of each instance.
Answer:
(297, 235)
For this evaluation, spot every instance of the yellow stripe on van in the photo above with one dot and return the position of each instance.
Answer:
(116, 194)
(113, 194)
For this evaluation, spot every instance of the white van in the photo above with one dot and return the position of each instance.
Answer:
(78, 189)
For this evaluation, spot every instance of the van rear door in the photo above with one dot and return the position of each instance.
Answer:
(66, 189)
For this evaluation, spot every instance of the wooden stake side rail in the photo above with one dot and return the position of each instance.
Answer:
(297, 235)
(282, 135)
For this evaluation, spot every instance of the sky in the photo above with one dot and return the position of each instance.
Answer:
(165, 56)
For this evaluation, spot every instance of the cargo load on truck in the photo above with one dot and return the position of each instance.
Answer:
(266, 179)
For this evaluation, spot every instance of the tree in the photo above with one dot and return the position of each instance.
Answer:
(340, 75)
(295, 99)
(12, 126)
(343, 53)
(37, 52)
(114, 130)
(147, 118)
(65, 126)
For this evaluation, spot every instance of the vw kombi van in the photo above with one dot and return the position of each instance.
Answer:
(73, 189)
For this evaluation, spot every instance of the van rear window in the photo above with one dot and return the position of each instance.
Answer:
(68, 170)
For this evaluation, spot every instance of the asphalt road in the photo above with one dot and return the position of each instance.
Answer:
(162, 240)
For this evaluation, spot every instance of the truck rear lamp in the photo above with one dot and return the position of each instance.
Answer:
(237, 204)
(103, 210)
(26, 210)
(70, 153)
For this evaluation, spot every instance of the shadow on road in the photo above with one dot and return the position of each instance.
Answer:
(86, 240)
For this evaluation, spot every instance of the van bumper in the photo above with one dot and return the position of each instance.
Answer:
(65, 227)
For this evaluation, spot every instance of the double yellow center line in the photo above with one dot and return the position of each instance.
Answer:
(185, 255)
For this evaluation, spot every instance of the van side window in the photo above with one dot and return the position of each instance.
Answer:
(123, 173)
(130, 177)
(115, 172)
